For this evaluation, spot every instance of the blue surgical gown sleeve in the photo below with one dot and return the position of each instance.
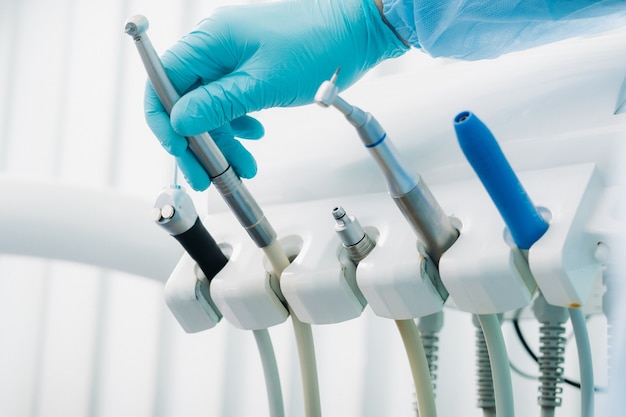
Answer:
(478, 29)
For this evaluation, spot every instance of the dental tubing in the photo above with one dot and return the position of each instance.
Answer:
(239, 200)
(484, 378)
(499, 361)
(552, 348)
(585, 362)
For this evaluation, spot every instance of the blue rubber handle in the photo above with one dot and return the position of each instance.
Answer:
(488, 161)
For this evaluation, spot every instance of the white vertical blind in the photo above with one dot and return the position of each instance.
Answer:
(77, 341)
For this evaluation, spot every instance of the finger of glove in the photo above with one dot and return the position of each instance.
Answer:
(231, 97)
(193, 172)
(242, 161)
(235, 153)
(159, 122)
(205, 54)
(246, 127)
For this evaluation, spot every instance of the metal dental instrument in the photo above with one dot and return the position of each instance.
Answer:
(202, 146)
(408, 191)
(352, 235)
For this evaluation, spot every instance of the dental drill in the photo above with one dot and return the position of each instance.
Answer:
(408, 191)
(238, 199)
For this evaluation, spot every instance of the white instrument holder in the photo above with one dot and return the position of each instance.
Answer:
(481, 272)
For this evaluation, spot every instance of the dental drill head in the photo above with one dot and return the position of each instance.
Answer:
(328, 91)
(136, 25)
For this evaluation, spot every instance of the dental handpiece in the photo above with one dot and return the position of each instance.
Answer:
(352, 235)
(175, 212)
(208, 154)
(481, 149)
(408, 191)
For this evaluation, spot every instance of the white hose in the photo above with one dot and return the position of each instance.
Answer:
(419, 367)
(585, 362)
(499, 360)
(270, 371)
(304, 340)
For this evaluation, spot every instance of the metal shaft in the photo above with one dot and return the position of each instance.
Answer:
(410, 193)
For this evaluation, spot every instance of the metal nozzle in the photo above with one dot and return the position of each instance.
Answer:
(174, 211)
(352, 235)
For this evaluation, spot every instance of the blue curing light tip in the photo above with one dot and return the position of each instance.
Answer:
(488, 161)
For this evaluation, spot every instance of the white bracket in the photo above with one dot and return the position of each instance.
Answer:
(187, 296)
(320, 283)
(397, 281)
(563, 260)
(242, 290)
(483, 274)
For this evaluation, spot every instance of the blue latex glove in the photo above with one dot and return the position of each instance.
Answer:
(247, 58)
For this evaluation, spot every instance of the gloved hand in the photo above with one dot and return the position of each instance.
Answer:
(247, 58)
